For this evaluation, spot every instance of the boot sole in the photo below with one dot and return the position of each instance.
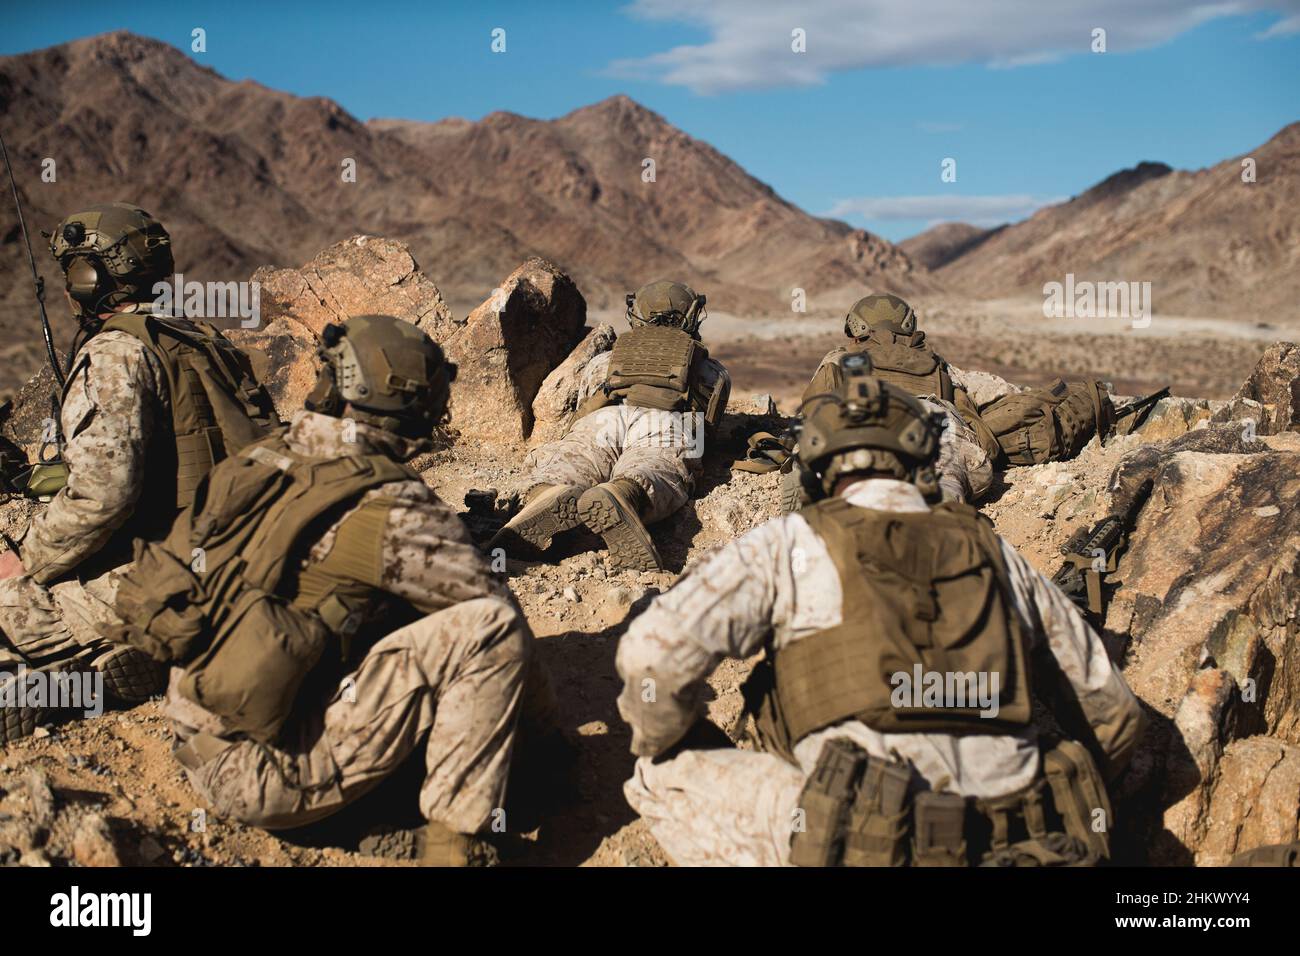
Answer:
(131, 675)
(533, 533)
(630, 545)
(17, 723)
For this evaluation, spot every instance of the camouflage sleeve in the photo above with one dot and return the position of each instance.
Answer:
(593, 377)
(722, 607)
(1110, 707)
(113, 397)
(428, 557)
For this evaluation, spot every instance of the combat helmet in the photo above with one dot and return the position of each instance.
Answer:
(866, 425)
(388, 372)
(673, 304)
(879, 312)
(111, 254)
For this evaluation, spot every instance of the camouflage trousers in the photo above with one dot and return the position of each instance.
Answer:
(56, 626)
(658, 450)
(453, 680)
(718, 807)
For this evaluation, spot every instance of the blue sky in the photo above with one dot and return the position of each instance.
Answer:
(858, 124)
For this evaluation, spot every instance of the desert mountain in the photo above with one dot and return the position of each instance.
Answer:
(941, 244)
(1209, 243)
(243, 175)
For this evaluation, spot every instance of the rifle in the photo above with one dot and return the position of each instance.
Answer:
(1089, 553)
(1093, 551)
(1141, 404)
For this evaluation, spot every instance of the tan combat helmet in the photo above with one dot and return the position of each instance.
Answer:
(388, 372)
(879, 312)
(673, 304)
(111, 254)
(869, 426)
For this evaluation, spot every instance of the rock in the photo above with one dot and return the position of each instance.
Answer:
(571, 595)
(150, 850)
(361, 275)
(92, 843)
(283, 355)
(32, 414)
(557, 398)
(1172, 417)
(1275, 384)
(35, 858)
(1211, 619)
(1256, 801)
(40, 797)
(508, 346)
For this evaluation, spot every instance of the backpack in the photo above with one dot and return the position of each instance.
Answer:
(1049, 424)
(923, 592)
(908, 362)
(215, 596)
(655, 366)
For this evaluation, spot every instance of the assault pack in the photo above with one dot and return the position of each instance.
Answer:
(1049, 424)
(658, 366)
(225, 597)
(907, 361)
(217, 405)
(926, 590)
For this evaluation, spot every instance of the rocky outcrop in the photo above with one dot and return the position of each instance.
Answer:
(283, 355)
(1275, 384)
(508, 346)
(359, 276)
(557, 398)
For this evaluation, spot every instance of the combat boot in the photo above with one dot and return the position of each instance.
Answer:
(17, 722)
(130, 675)
(548, 511)
(613, 510)
(439, 845)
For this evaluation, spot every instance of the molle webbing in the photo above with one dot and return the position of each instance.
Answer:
(656, 367)
(216, 405)
(908, 362)
(927, 589)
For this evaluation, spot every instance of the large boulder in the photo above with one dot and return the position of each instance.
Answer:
(508, 346)
(1209, 600)
(557, 398)
(1275, 384)
(359, 276)
(283, 355)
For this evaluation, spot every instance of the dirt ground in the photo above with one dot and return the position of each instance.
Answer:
(117, 769)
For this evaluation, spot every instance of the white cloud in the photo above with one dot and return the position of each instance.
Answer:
(976, 210)
(749, 45)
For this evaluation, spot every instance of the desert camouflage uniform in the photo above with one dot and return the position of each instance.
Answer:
(660, 451)
(452, 681)
(75, 549)
(965, 472)
(778, 584)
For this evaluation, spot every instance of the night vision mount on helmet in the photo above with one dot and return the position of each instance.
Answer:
(673, 304)
(391, 374)
(867, 425)
(111, 254)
